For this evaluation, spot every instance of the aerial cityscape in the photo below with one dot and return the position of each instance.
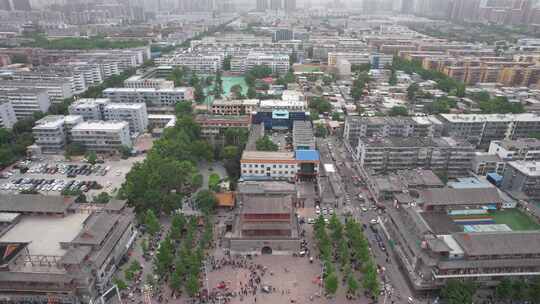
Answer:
(269, 151)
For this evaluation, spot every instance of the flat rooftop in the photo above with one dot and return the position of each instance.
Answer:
(100, 125)
(144, 90)
(134, 106)
(45, 233)
(263, 156)
(472, 118)
(528, 168)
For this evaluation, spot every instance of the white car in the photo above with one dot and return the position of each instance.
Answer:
(364, 209)
(374, 221)
(310, 221)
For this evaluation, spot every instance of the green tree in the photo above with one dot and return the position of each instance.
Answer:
(91, 157)
(119, 283)
(177, 75)
(206, 201)
(102, 198)
(213, 182)
(231, 152)
(398, 111)
(183, 108)
(197, 181)
(152, 223)
(458, 292)
(352, 285)
(192, 285)
(236, 90)
(198, 93)
(503, 291)
(336, 116)
(331, 284)
(175, 283)
(251, 92)
(178, 223)
(393, 78)
(265, 144)
(164, 257)
(125, 151)
(412, 91)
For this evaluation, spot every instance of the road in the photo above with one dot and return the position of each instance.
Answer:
(344, 164)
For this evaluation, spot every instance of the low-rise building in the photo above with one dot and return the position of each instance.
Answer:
(74, 262)
(213, 126)
(265, 165)
(266, 224)
(234, 107)
(527, 149)
(102, 135)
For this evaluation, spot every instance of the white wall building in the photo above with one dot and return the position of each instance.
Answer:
(134, 114)
(198, 63)
(279, 63)
(26, 101)
(7, 114)
(102, 135)
(89, 108)
(51, 132)
(139, 82)
(152, 97)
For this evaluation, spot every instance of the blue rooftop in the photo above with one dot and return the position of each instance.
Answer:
(307, 155)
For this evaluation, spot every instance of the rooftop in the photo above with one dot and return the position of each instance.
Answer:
(134, 106)
(262, 156)
(144, 90)
(450, 196)
(528, 168)
(457, 118)
(267, 204)
(262, 187)
(101, 125)
(58, 230)
(307, 155)
(31, 203)
(521, 143)
(500, 243)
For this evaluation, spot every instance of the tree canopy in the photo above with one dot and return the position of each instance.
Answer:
(266, 144)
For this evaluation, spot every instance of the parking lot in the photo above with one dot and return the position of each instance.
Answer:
(52, 175)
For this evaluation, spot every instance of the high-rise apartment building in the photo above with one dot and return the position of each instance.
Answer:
(262, 5)
(276, 4)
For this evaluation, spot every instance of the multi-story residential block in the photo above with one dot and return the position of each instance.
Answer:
(75, 264)
(234, 107)
(142, 82)
(198, 63)
(101, 135)
(481, 129)
(279, 63)
(303, 137)
(522, 179)
(89, 108)
(362, 127)
(26, 101)
(57, 90)
(213, 126)
(152, 97)
(484, 163)
(52, 132)
(526, 149)
(7, 114)
(353, 58)
(442, 154)
(134, 114)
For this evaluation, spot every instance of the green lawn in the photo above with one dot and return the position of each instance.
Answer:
(515, 219)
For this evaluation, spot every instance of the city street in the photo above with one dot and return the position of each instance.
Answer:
(400, 290)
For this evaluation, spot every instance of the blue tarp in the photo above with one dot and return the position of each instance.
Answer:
(494, 178)
(307, 155)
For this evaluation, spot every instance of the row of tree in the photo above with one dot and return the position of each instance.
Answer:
(350, 250)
